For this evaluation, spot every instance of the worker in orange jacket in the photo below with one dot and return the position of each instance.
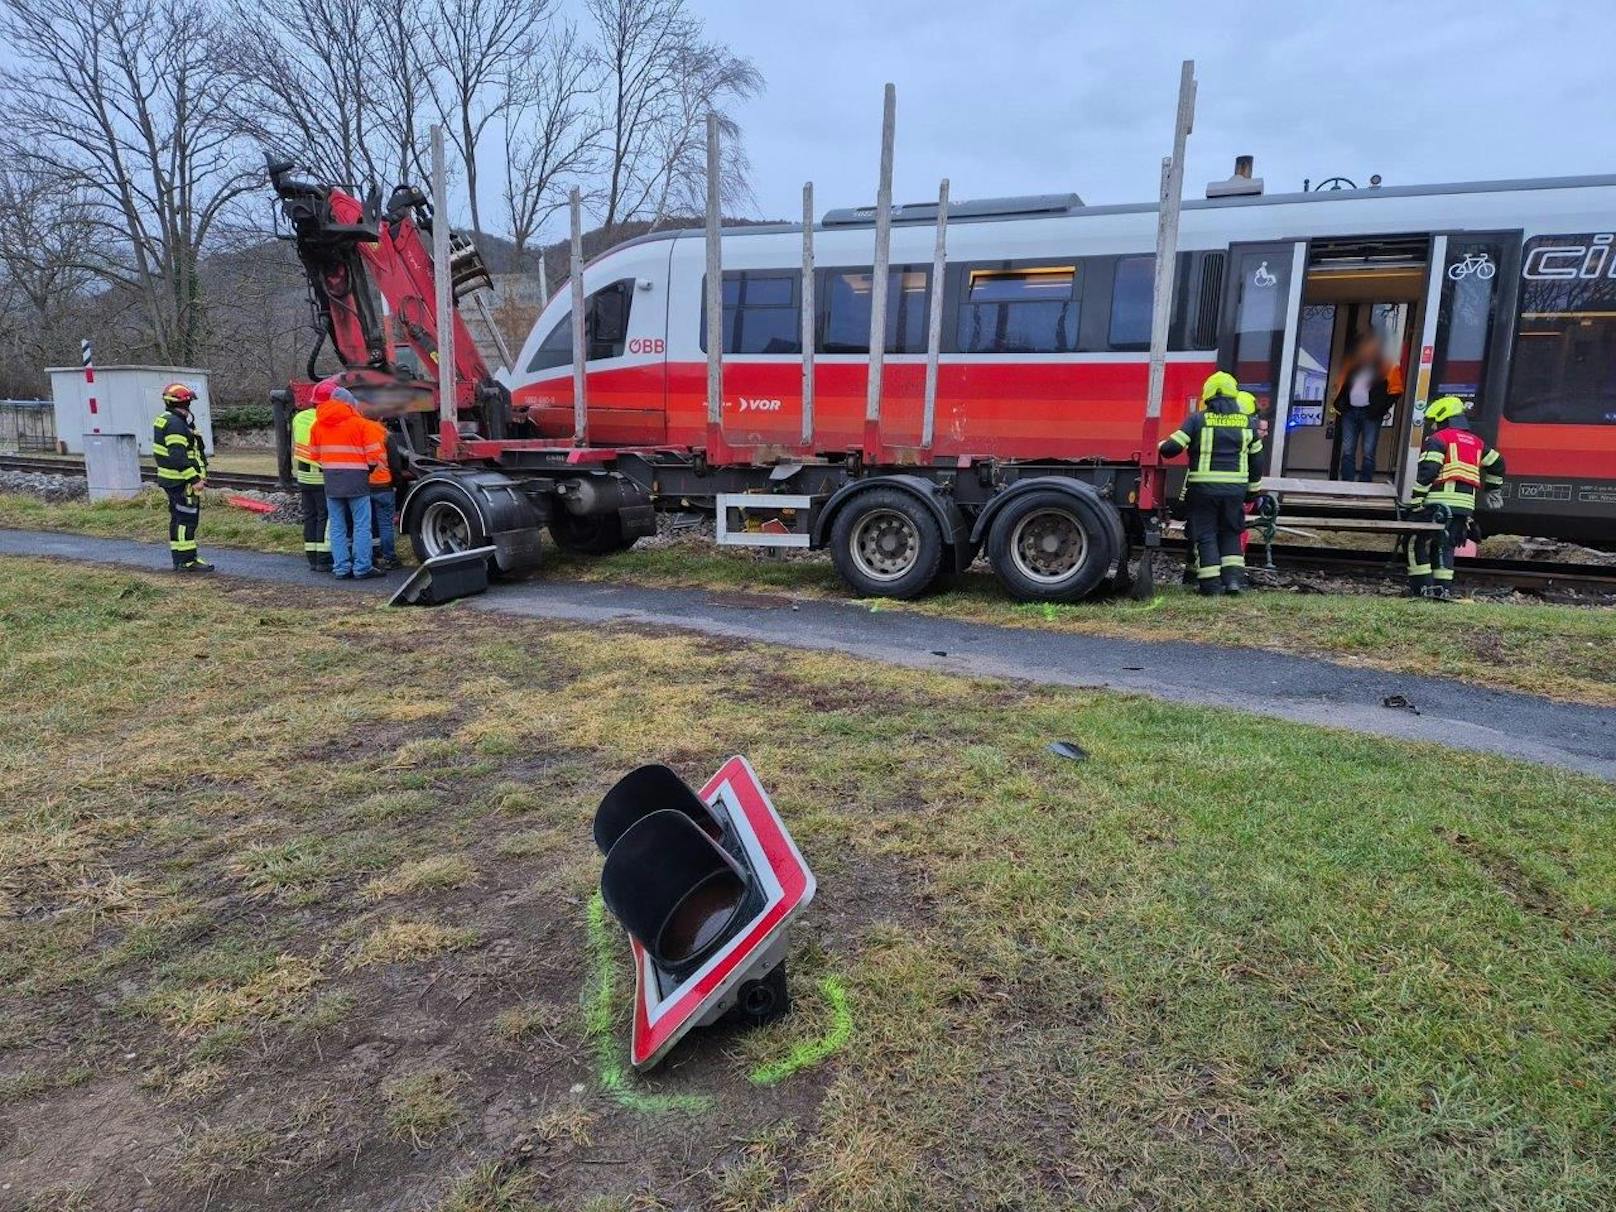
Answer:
(346, 449)
(383, 497)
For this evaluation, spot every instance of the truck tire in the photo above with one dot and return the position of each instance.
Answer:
(594, 534)
(1051, 546)
(887, 544)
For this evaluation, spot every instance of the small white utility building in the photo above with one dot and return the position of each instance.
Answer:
(128, 399)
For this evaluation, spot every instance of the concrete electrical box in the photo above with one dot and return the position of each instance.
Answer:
(127, 398)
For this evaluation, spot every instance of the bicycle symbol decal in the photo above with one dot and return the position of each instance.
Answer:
(1263, 278)
(1478, 263)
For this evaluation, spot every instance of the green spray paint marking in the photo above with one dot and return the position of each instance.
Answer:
(813, 1051)
(601, 996)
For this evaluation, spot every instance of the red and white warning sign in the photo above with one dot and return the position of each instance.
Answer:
(665, 1009)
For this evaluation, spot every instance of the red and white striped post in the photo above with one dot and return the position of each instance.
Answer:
(89, 384)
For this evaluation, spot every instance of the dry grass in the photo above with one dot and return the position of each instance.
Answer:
(439, 873)
(398, 942)
(1226, 962)
(423, 1106)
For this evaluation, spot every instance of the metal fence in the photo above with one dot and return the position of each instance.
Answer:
(27, 425)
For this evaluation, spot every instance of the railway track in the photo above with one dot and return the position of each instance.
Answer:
(1532, 575)
(1536, 575)
(75, 467)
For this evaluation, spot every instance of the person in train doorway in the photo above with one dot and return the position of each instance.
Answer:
(182, 470)
(1458, 470)
(1370, 387)
(342, 443)
(383, 495)
(311, 482)
(1225, 457)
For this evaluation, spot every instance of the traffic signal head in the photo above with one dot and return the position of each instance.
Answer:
(705, 884)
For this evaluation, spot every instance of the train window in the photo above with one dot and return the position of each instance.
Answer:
(845, 313)
(1564, 372)
(605, 328)
(761, 313)
(1132, 288)
(1029, 310)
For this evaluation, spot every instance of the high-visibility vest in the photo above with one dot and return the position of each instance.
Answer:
(304, 468)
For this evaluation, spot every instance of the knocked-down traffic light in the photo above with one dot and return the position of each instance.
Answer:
(705, 884)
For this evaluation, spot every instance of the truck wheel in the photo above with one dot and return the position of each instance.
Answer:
(596, 534)
(1050, 546)
(887, 544)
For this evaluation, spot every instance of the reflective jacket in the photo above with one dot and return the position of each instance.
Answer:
(177, 449)
(381, 475)
(1225, 451)
(1455, 466)
(345, 449)
(304, 467)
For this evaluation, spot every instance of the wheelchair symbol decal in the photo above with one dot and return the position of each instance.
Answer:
(1262, 277)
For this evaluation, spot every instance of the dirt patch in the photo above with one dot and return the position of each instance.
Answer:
(1511, 879)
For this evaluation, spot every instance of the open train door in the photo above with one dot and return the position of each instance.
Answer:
(1262, 304)
(1466, 328)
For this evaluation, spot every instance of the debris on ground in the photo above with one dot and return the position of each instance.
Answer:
(1070, 750)
(1399, 702)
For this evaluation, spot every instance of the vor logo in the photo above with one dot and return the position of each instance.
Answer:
(750, 404)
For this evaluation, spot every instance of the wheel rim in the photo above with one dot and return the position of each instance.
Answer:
(885, 545)
(1049, 546)
(444, 529)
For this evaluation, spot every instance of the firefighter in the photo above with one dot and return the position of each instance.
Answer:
(1225, 467)
(311, 481)
(384, 496)
(1456, 468)
(182, 467)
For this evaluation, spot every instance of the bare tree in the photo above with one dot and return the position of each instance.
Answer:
(660, 79)
(119, 101)
(708, 77)
(337, 84)
(477, 47)
(552, 131)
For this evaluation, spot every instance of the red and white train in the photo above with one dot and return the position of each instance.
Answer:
(1503, 293)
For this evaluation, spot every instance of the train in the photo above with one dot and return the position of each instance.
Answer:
(1039, 450)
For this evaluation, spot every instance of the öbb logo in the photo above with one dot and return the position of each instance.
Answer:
(647, 345)
(753, 405)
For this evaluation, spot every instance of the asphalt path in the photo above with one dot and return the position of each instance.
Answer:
(1306, 689)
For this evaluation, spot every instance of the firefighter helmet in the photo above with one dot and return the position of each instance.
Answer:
(1219, 383)
(1444, 409)
(178, 395)
(322, 391)
(1248, 403)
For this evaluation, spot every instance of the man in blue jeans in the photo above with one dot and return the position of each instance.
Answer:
(342, 444)
(1370, 388)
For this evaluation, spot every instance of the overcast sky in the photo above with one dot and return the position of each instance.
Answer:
(1028, 96)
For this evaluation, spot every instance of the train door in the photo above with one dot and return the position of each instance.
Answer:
(1465, 350)
(1258, 337)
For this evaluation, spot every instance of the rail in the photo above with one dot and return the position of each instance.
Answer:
(50, 465)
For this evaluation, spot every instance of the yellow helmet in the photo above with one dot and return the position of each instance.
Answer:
(1219, 383)
(1248, 403)
(1444, 409)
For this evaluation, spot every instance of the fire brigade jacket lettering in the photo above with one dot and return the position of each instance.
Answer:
(1225, 453)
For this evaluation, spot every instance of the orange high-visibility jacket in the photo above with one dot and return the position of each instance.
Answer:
(381, 475)
(341, 442)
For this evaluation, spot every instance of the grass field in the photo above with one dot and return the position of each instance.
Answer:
(1561, 651)
(295, 910)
